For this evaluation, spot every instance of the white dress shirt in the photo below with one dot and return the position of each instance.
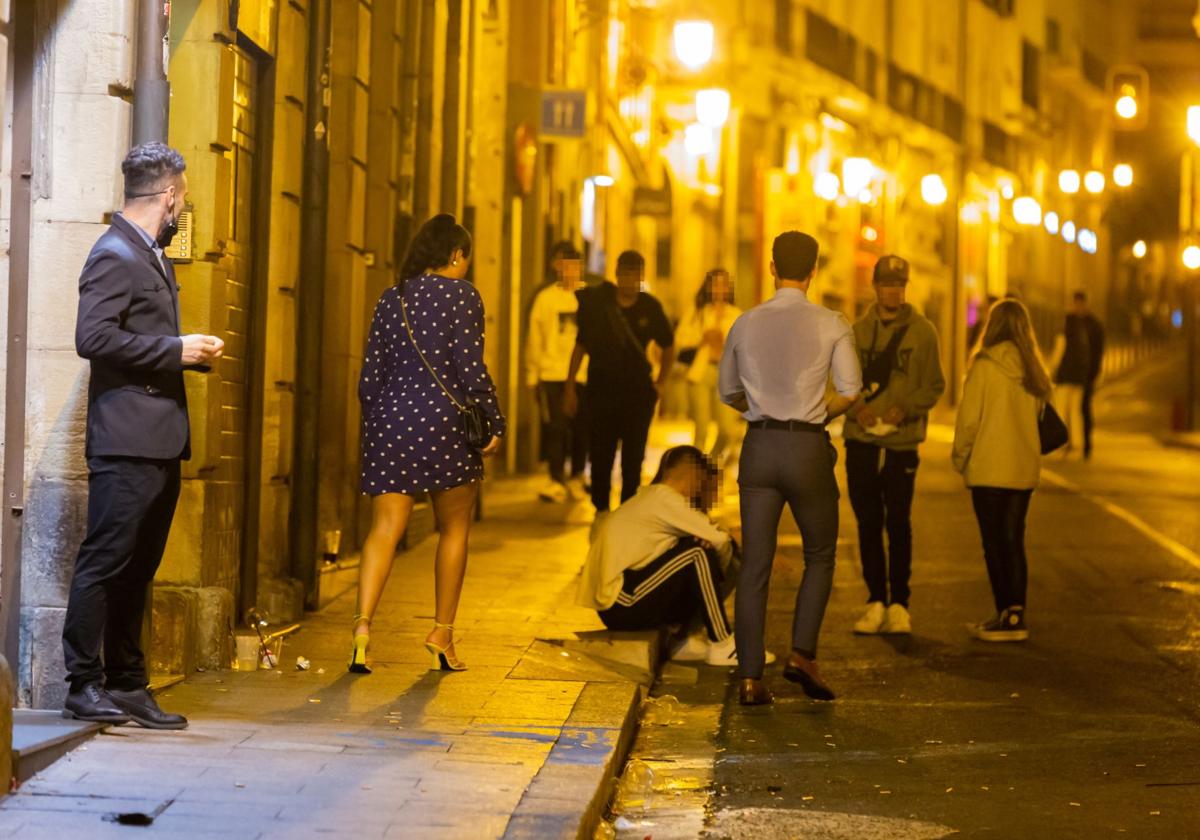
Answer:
(780, 355)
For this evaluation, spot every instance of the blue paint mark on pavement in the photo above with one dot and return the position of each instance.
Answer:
(590, 746)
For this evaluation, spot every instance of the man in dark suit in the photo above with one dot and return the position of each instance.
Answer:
(137, 434)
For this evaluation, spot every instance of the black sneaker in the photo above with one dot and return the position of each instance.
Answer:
(1009, 626)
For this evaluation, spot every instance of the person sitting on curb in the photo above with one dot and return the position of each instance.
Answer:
(659, 560)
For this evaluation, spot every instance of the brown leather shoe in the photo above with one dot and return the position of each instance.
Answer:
(753, 692)
(802, 670)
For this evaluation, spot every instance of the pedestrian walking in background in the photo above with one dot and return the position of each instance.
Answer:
(701, 338)
(616, 325)
(128, 328)
(422, 367)
(1076, 360)
(998, 451)
(553, 330)
(777, 361)
(902, 381)
(658, 559)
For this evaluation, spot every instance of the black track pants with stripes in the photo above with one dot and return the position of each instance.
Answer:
(672, 589)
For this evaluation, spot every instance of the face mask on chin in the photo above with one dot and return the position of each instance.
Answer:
(170, 228)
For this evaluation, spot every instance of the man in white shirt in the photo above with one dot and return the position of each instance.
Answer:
(553, 330)
(778, 359)
(658, 559)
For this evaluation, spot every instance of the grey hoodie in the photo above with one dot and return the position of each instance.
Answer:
(916, 382)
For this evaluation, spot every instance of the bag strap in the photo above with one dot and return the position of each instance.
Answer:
(624, 329)
(412, 338)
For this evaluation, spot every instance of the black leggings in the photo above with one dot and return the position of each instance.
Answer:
(1001, 514)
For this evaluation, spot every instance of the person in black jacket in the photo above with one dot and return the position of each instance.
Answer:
(137, 434)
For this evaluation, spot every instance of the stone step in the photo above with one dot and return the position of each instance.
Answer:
(41, 737)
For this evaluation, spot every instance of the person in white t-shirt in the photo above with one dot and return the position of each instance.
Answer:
(552, 334)
(659, 560)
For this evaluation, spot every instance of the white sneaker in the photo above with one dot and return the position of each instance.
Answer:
(554, 492)
(897, 620)
(724, 654)
(577, 490)
(692, 649)
(872, 620)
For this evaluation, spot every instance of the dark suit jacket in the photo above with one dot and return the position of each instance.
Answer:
(128, 328)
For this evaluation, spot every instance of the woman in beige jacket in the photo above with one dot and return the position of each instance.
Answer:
(996, 448)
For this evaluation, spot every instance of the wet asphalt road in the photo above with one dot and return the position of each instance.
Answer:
(1090, 729)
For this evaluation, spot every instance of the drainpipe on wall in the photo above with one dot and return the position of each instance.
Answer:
(310, 305)
(13, 505)
(151, 90)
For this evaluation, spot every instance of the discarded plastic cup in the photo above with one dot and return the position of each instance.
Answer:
(661, 711)
(247, 653)
(635, 788)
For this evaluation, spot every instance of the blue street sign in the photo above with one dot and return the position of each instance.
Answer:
(563, 113)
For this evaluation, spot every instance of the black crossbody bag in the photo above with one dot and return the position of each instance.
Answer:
(473, 420)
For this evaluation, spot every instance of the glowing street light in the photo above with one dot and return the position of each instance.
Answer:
(857, 174)
(1139, 249)
(712, 107)
(1123, 175)
(1026, 211)
(1126, 107)
(1087, 241)
(694, 43)
(933, 190)
(1050, 220)
(1193, 123)
(1191, 257)
(1007, 191)
(827, 186)
(1093, 182)
(1068, 181)
(603, 180)
(1068, 231)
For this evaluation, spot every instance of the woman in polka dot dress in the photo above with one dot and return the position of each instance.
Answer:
(412, 438)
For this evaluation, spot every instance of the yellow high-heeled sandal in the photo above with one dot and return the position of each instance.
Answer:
(441, 657)
(358, 655)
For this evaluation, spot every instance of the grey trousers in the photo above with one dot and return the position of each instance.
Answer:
(781, 467)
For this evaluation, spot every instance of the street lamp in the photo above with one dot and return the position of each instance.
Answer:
(712, 107)
(1127, 106)
(857, 174)
(698, 140)
(1050, 220)
(1093, 182)
(1122, 175)
(1068, 181)
(1191, 257)
(1026, 211)
(603, 180)
(827, 186)
(1193, 123)
(1087, 241)
(1139, 249)
(694, 43)
(933, 190)
(1068, 231)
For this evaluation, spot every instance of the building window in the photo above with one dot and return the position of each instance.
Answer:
(1030, 74)
(1053, 37)
(783, 26)
(1095, 70)
(828, 47)
(996, 147)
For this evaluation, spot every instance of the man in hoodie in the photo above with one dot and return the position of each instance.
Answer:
(552, 333)
(902, 381)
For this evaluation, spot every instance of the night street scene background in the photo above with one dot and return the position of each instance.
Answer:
(370, 215)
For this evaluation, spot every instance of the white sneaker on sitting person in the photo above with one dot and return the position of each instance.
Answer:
(872, 620)
(692, 648)
(554, 492)
(897, 620)
(724, 654)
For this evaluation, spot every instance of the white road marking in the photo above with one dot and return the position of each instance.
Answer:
(1137, 523)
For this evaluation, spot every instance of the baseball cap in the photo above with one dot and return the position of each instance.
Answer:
(891, 267)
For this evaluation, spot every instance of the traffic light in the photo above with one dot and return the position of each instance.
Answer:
(1129, 92)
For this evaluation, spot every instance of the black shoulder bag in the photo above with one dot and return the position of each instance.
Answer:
(879, 370)
(473, 420)
(1052, 431)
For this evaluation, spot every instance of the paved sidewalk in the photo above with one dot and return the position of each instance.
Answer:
(520, 745)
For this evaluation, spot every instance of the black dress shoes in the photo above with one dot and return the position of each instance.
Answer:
(93, 703)
(800, 669)
(144, 711)
(752, 692)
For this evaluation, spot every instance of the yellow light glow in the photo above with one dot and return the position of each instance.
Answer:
(827, 186)
(1068, 181)
(1123, 175)
(1068, 231)
(1193, 123)
(869, 233)
(603, 180)
(1093, 182)
(698, 140)
(1007, 191)
(712, 107)
(694, 43)
(1127, 107)
(1139, 249)
(866, 197)
(857, 174)
(1050, 220)
(1191, 257)
(972, 214)
(933, 190)
(1026, 211)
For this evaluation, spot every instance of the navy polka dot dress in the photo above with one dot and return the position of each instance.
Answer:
(412, 440)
